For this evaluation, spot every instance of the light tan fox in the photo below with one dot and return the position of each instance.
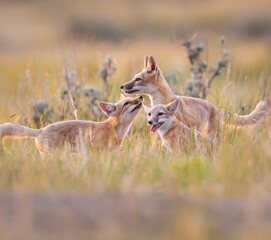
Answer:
(175, 135)
(193, 112)
(109, 133)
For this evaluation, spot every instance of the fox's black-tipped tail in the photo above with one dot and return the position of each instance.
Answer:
(256, 116)
(14, 130)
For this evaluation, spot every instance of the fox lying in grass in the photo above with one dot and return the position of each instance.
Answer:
(175, 135)
(193, 112)
(109, 133)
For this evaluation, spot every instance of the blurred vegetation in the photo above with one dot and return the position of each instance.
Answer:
(55, 47)
(37, 84)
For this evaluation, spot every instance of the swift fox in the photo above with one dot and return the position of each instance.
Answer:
(174, 134)
(193, 112)
(108, 133)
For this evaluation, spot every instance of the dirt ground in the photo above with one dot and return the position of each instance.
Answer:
(139, 216)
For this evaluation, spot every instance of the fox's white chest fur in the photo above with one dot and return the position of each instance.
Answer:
(157, 99)
(166, 144)
(164, 129)
(122, 131)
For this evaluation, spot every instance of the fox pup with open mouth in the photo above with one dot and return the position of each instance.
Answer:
(175, 135)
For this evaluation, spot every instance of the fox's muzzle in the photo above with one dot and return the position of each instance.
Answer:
(138, 102)
(128, 88)
(153, 120)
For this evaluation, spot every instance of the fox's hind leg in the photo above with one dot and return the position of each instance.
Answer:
(44, 154)
(210, 127)
(43, 150)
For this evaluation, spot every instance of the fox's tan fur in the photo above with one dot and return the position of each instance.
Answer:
(108, 133)
(175, 135)
(193, 112)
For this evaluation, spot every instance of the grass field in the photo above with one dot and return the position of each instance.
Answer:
(239, 168)
(188, 195)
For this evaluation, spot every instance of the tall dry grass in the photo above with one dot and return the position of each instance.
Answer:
(240, 166)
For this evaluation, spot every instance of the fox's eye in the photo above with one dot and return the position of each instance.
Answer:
(160, 114)
(149, 114)
(125, 104)
(138, 79)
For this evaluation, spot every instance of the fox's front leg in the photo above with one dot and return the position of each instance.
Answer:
(211, 126)
(45, 155)
(1, 139)
(2, 149)
(166, 148)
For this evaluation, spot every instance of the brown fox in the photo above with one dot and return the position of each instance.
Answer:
(108, 133)
(193, 112)
(175, 135)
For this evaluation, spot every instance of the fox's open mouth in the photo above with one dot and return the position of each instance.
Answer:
(138, 106)
(130, 91)
(155, 127)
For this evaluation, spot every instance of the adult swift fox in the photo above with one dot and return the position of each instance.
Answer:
(193, 112)
(174, 134)
(108, 133)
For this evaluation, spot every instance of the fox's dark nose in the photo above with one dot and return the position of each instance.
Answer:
(121, 87)
(150, 122)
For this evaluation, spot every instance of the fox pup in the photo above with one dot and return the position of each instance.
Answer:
(193, 112)
(108, 133)
(175, 135)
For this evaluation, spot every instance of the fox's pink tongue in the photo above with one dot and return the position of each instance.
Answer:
(154, 127)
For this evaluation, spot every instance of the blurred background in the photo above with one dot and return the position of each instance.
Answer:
(44, 32)
(46, 45)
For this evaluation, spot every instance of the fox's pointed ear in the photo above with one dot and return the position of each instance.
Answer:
(146, 61)
(173, 107)
(146, 107)
(107, 108)
(152, 66)
(122, 97)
